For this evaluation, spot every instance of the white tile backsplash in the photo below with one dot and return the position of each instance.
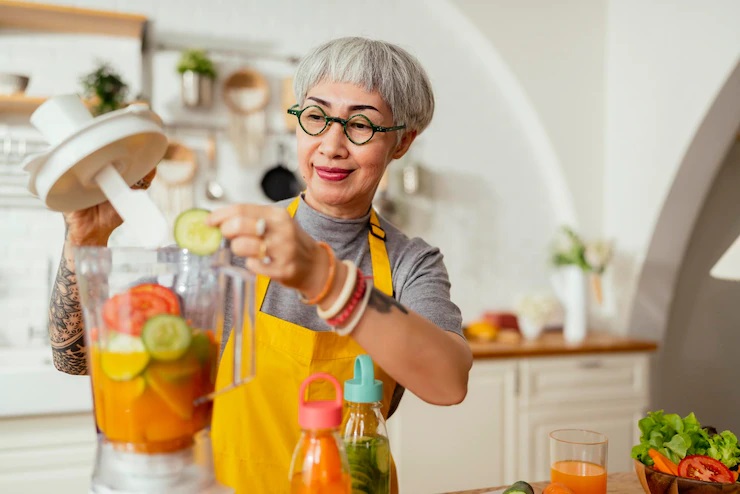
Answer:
(29, 254)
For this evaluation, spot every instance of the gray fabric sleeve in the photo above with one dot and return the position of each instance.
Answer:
(426, 289)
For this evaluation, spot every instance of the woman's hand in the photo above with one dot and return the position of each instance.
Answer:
(93, 226)
(274, 245)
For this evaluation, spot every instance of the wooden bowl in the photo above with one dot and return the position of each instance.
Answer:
(655, 482)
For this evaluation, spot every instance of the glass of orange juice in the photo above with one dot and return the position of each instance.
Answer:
(578, 460)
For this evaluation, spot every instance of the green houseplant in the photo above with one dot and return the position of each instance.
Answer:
(197, 74)
(196, 61)
(105, 89)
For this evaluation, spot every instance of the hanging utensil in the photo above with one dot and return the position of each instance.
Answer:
(214, 190)
(279, 182)
(246, 93)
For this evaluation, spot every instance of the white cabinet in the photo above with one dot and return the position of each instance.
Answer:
(50, 453)
(442, 449)
(499, 434)
(604, 393)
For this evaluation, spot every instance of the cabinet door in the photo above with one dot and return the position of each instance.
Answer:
(618, 422)
(47, 453)
(466, 446)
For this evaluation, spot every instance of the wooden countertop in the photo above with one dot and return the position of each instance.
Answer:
(617, 483)
(552, 343)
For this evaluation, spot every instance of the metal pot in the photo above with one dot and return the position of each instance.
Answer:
(196, 90)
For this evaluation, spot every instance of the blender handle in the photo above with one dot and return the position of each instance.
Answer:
(240, 278)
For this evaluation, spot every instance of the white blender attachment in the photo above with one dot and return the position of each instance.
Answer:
(94, 159)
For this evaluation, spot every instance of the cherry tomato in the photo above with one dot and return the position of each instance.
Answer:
(127, 312)
(700, 467)
(173, 303)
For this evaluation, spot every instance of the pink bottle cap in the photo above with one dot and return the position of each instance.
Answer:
(320, 414)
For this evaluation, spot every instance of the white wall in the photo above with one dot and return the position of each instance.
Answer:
(556, 51)
(489, 203)
(666, 63)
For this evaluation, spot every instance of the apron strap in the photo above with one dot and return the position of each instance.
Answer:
(382, 278)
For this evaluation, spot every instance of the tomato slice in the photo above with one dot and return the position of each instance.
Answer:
(700, 467)
(127, 312)
(173, 302)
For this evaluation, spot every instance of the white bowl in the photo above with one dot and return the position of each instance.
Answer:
(13, 83)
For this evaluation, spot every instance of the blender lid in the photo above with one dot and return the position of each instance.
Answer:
(131, 140)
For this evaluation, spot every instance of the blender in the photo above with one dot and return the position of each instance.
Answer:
(155, 316)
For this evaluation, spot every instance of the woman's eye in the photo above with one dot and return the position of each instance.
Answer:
(314, 117)
(359, 126)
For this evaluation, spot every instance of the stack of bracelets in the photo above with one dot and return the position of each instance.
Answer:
(347, 310)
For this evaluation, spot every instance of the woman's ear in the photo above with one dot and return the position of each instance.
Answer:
(403, 146)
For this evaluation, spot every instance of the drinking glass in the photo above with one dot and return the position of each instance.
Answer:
(578, 460)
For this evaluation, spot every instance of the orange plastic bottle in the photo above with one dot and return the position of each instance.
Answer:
(320, 463)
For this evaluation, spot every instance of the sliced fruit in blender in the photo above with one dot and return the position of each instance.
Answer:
(124, 357)
(166, 337)
(201, 346)
(192, 233)
(127, 312)
(177, 371)
(179, 398)
(127, 391)
(169, 297)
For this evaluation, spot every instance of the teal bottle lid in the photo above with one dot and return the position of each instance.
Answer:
(363, 388)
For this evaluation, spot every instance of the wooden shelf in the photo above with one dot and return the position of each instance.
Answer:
(62, 19)
(20, 104)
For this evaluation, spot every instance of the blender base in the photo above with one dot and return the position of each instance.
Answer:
(188, 471)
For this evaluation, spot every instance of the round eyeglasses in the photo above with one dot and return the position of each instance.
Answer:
(358, 128)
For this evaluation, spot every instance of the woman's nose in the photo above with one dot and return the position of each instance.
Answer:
(333, 141)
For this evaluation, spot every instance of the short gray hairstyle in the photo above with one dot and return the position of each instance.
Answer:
(375, 66)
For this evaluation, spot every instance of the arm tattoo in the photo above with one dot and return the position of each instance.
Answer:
(66, 328)
(383, 303)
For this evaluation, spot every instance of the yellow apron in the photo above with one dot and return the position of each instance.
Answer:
(255, 427)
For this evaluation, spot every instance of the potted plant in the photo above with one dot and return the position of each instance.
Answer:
(197, 74)
(105, 89)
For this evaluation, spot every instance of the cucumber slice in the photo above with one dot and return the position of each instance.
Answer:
(519, 487)
(166, 337)
(192, 233)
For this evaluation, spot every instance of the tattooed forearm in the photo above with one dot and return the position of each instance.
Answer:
(66, 329)
(383, 303)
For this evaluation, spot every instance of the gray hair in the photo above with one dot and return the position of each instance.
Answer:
(375, 66)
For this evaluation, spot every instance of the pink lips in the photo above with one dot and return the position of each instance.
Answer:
(332, 174)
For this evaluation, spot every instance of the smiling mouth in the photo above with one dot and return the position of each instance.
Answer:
(332, 174)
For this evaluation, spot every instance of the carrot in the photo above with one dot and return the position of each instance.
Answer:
(663, 463)
(557, 488)
(734, 475)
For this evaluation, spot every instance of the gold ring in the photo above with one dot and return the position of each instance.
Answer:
(263, 253)
(260, 227)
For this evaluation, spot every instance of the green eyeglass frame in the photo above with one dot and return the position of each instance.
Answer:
(293, 110)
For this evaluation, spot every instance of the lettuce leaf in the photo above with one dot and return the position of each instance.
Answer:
(671, 435)
(724, 447)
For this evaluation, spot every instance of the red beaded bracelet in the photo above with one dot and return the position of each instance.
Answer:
(348, 309)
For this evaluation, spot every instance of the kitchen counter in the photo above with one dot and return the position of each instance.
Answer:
(553, 344)
(617, 483)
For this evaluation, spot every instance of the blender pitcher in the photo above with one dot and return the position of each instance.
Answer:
(155, 321)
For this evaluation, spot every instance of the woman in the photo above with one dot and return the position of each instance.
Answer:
(361, 104)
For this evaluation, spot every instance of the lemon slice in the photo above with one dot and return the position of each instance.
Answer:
(123, 366)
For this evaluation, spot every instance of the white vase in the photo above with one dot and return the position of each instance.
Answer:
(530, 329)
(571, 287)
